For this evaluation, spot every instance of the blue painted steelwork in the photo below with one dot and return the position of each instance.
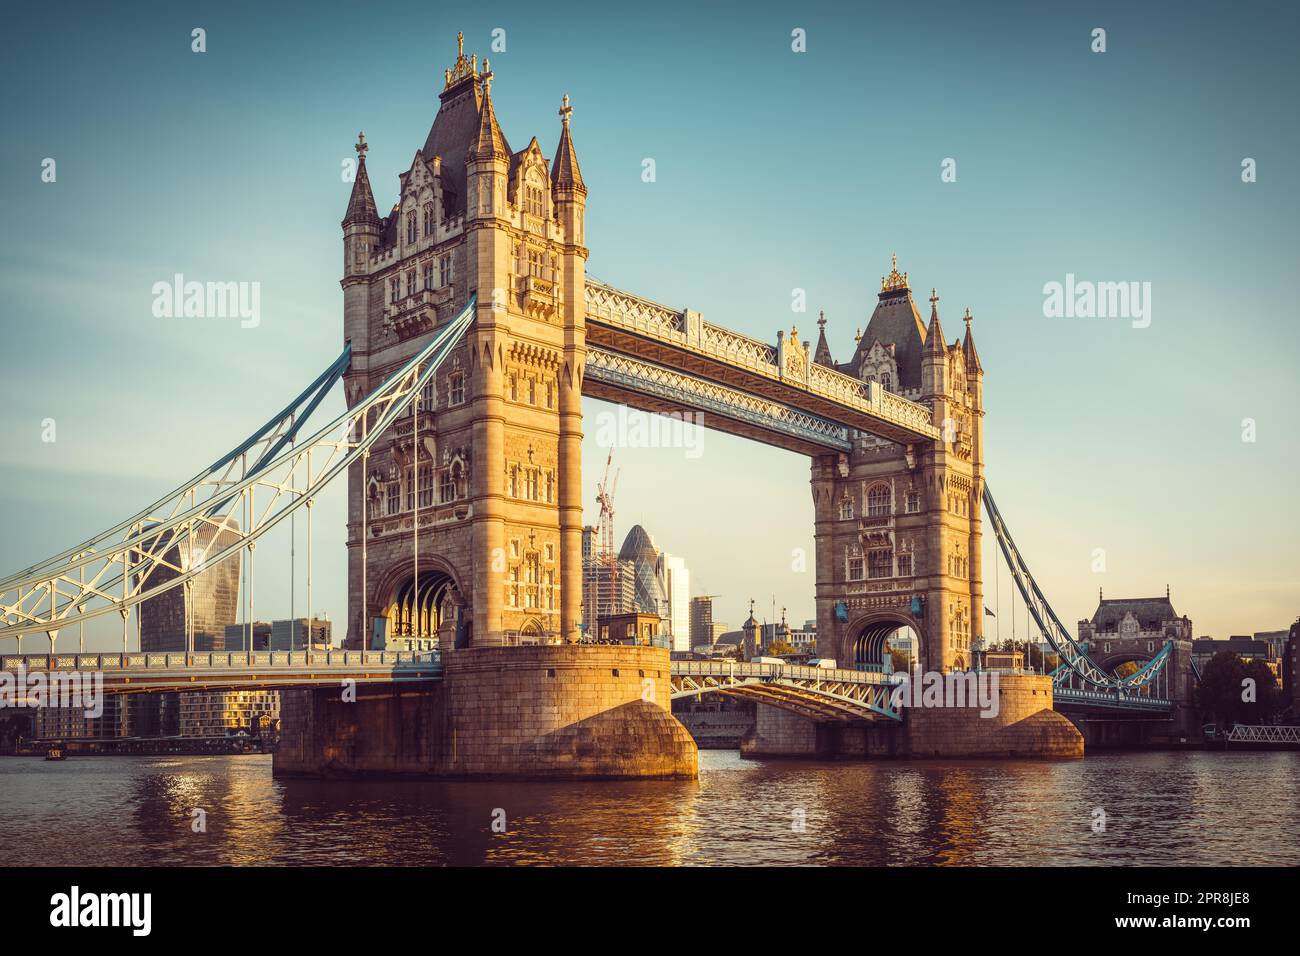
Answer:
(1073, 653)
(111, 572)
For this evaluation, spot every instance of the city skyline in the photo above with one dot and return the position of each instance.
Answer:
(194, 198)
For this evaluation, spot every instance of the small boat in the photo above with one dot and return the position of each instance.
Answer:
(54, 753)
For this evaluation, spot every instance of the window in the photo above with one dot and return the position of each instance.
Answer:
(410, 282)
(426, 275)
(550, 590)
(394, 289)
(410, 490)
(534, 263)
(913, 502)
(905, 565)
(532, 391)
(880, 563)
(456, 391)
(550, 552)
(514, 388)
(550, 395)
(855, 567)
(878, 501)
(444, 270)
(425, 477)
(886, 382)
(428, 219)
(427, 400)
(846, 509)
(514, 482)
(550, 488)
(533, 200)
(410, 227)
(514, 547)
(394, 498)
(446, 487)
(513, 589)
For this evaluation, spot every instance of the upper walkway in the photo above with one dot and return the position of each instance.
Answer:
(653, 357)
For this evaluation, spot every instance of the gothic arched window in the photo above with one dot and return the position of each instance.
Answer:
(878, 501)
(428, 219)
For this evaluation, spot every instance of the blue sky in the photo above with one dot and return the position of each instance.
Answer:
(775, 171)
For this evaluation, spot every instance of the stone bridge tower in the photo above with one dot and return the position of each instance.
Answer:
(465, 522)
(898, 527)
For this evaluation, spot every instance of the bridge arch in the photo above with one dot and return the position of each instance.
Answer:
(863, 646)
(414, 613)
(1112, 654)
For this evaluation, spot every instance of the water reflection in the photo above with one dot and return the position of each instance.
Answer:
(1161, 808)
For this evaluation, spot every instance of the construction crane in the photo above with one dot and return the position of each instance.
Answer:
(606, 554)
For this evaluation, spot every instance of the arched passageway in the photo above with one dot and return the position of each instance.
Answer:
(873, 647)
(417, 611)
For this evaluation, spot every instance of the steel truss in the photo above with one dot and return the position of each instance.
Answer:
(1265, 734)
(199, 524)
(1074, 656)
(807, 691)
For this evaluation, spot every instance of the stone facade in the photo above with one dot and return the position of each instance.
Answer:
(898, 527)
(491, 464)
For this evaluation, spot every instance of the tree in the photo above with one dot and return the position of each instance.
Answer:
(1219, 692)
(1268, 700)
(1238, 692)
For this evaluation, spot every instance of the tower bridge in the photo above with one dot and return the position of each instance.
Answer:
(471, 333)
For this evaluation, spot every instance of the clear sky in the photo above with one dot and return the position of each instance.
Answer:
(775, 170)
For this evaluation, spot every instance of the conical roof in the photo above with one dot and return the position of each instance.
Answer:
(361, 204)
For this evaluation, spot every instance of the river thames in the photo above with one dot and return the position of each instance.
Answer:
(1190, 808)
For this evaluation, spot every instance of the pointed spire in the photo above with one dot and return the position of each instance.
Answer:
(823, 354)
(565, 173)
(488, 141)
(968, 347)
(934, 344)
(361, 204)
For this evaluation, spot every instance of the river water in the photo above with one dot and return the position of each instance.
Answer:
(1196, 808)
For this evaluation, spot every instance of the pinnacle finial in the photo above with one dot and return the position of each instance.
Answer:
(821, 319)
(462, 68)
(565, 110)
(486, 77)
(894, 281)
(361, 146)
(934, 296)
(967, 317)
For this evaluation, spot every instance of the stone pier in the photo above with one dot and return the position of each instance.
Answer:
(1025, 725)
(548, 711)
